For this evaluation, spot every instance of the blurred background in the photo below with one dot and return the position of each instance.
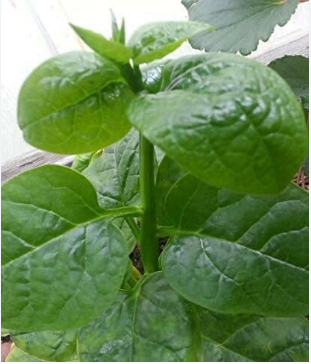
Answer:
(35, 30)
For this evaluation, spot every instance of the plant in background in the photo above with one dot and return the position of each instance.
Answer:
(239, 24)
(200, 150)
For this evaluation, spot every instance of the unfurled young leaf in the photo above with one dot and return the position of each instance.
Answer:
(239, 24)
(110, 49)
(241, 253)
(156, 40)
(230, 121)
(74, 103)
(55, 243)
(114, 27)
(118, 34)
(295, 71)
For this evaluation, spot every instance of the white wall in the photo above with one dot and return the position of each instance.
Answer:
(34, 30)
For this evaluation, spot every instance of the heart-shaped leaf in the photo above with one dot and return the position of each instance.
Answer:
(62, 263)
(295, 71)
(156, 40)
(74, 103)
(244, 131)
(106, 48)
(239, 24)
(234, 253)
(152, 323)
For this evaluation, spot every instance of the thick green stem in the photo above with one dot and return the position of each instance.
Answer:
(148, 231)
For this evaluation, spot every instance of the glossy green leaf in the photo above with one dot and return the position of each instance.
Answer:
(17, 355)
(114, 172)
(48, 345)
(244, 131)
(152, 76)
(295, 71)
(112, 50)
(74, 103)
(240, 338)
(82, 161)
(156, 40)
(234, 253)
(239, 24)
(62, 263)
(150, 324)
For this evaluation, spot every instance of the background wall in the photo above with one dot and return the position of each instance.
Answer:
(35, 30)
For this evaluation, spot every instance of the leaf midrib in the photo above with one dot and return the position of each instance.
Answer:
(201, 236)
(112, 212)
(29, 124)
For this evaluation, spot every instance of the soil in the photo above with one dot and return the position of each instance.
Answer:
(5, 347)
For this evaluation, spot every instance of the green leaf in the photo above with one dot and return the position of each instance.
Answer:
(150, 324)
(156, 40)
(239, 24)
(152, 76)
(48, 345)
(228, 120)
(131, 277)
(4, 332)
(82, 161)
(112, 50)
(240, 338)
(114, 172)
(74, 104)
(122, 35)
(306, 166)
(236, 250)
(126, 231)
(295, 71)
(17, 355)
(62, 263)
(114, 27)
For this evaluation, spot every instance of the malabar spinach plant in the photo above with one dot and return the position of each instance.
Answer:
(199, 150)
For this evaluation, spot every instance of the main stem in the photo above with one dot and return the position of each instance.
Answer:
(148, 233)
